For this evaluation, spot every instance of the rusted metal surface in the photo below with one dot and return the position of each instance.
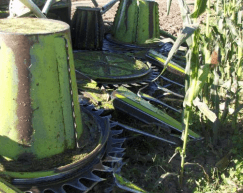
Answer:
(40, 111)
(21, 45)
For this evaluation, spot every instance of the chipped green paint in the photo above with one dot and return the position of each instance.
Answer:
(125, 24)
(136, 22)
(148, 22)
(50, 93)
(129, 97)
(6, 187)
(8, 117)
(77, 111)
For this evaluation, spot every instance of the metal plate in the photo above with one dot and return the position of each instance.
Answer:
(105, 66)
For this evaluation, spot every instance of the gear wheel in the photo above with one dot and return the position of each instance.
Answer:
(83, 175)
(114, 69)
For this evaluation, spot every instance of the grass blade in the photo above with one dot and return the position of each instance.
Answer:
(182, 37)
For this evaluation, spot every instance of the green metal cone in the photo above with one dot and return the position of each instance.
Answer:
(40, 114)
(136, 21)
(87, 29)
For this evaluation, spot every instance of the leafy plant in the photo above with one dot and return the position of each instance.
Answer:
(214, 65)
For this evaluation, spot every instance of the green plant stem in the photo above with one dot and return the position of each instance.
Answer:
(224, 7)
(207, 56)
(217, 6)
(187, 113)
(208, 16)
(240, 55)
(215, 105)
(233, 13)
(237, 96)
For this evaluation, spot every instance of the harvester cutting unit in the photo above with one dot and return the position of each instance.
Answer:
(60, 86)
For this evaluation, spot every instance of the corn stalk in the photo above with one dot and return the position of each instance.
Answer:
(218, 72)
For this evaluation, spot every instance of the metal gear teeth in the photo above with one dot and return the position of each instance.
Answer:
(99, 112)
(102, 168)
(132, 83)
(112, 160)
(109, 160)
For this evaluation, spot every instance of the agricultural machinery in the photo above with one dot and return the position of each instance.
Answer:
(65, 77)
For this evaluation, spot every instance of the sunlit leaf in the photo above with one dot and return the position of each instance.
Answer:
(239, 17)
(201, 6)
(233, 29)
(205, 110)
(185, 12)
(221, 25)
(182, 37)
(203, 75)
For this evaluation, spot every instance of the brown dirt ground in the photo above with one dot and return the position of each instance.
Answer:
(171, 23)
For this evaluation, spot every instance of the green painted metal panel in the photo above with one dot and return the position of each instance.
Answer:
(126, 21)
(65, 90)
(143, 22)
(40, 114)
(148, 21)
(47, 117)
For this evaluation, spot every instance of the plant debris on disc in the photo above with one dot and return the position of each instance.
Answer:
(104, 66)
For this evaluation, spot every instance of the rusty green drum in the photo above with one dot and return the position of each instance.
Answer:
(136, 22)
(87, 29)
(40, 114)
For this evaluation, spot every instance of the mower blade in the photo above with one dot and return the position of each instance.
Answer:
(135, 106)
(160, 60)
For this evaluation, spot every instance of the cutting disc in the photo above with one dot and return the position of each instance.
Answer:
(108, 67)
